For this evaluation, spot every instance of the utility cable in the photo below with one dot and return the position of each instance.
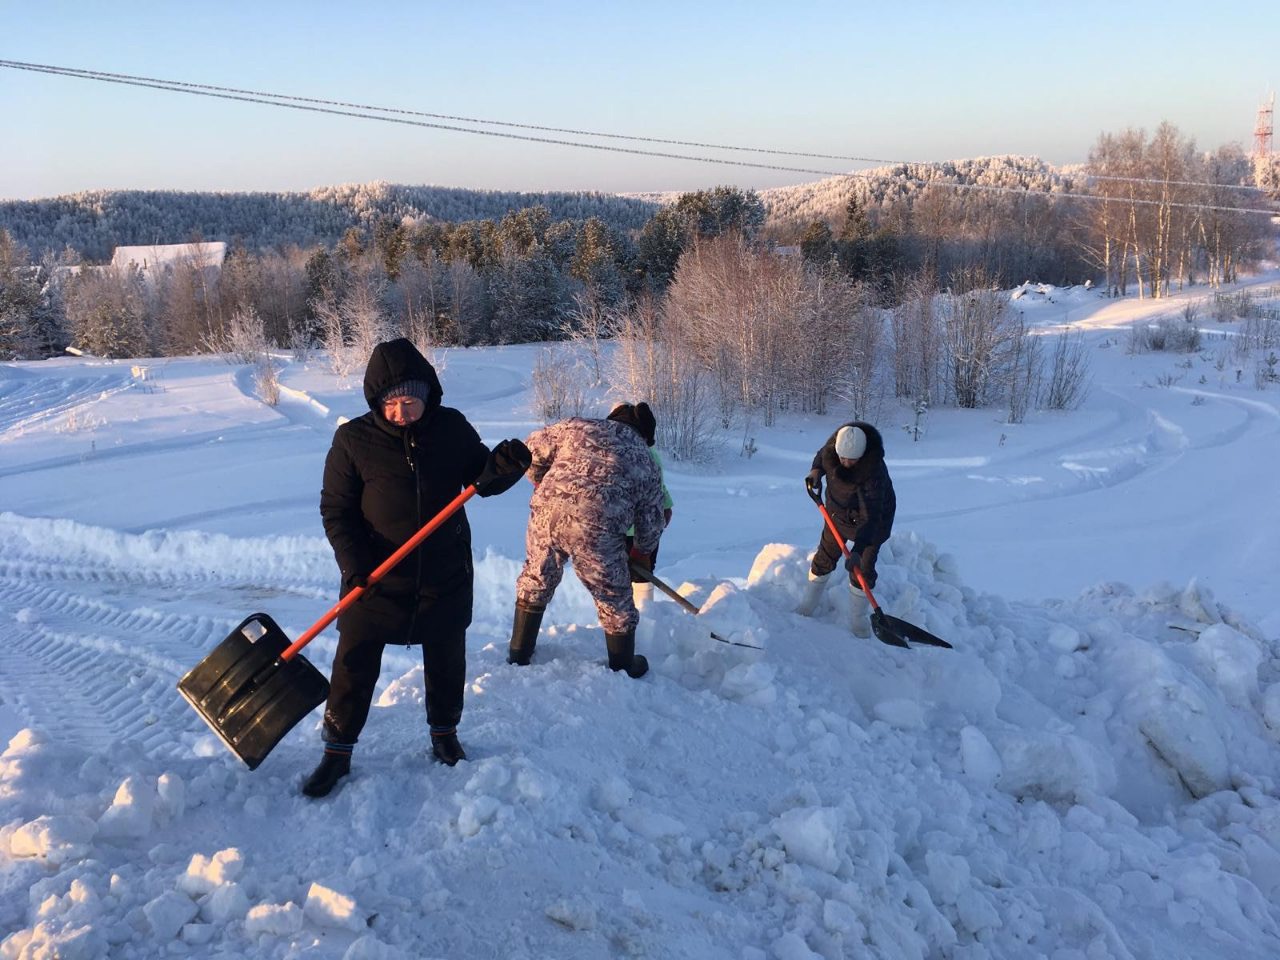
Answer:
(332, 107)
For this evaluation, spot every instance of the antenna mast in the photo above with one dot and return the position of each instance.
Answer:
(1263, 129)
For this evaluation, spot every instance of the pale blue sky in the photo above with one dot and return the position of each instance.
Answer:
(927, 81)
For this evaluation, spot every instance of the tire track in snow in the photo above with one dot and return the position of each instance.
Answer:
(52, 398)
(77, 688)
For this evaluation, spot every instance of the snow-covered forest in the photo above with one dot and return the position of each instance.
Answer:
(94, 222)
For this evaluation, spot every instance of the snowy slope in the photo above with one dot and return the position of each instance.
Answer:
(1092, 772)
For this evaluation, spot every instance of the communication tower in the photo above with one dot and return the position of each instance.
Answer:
(1263, 129)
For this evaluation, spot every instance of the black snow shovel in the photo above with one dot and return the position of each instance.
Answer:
(685, 603)
(887, 629)
(255, 687)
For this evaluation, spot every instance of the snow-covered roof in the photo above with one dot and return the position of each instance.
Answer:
(168, 254)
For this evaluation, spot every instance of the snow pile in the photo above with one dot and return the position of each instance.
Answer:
(1096, 776)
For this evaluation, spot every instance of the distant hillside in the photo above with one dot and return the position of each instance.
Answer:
(95, 222)
(790, 209)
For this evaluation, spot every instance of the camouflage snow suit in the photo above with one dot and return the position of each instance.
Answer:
(595, 479)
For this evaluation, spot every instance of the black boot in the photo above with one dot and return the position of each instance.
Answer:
(524, 633)
(333, 767)
(446, 748)
(623, 656)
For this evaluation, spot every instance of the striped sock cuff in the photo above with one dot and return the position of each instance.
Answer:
(339, 749)
(443, 731)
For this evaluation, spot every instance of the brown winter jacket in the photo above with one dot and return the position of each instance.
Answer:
(860, 500)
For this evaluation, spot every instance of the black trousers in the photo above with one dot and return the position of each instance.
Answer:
(439, 626)
(829, 555)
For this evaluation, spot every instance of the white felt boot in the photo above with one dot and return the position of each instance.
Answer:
(859, 612)
(812, 594)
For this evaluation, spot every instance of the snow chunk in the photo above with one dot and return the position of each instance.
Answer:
(276, 919)
(1066, 639)
(205, 873)
(575, 913)
(612, 795)
(224, 904)
(131, 814)
(750, 683)
(168, 913)
(48, 941)
(57, 839)
(172, 794)
(1048, 767)
(1271, 709)
(791, 946)
(980, 760)
(370, 947)
(477, 812)
(901, 713)
(329, 908)
(1178, 729)
(809, 836)
(1232, 660)
(729, 613)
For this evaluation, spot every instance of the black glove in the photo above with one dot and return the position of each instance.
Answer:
(351, 581)
(505, 466)
(864, 560)
(813, 484)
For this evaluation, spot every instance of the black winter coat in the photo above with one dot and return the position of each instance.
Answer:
(860, 500)
(382, 483)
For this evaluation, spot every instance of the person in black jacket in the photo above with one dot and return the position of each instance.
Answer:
(861, 501)
(387, 474)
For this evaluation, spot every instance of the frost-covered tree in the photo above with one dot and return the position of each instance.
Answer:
(22, 303)
(107, 312)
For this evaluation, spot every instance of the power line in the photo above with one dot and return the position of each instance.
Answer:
(339, 108)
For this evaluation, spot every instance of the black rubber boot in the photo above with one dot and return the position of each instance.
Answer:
(524, 633)
(446, 748)
(333, 767)
(623, 656)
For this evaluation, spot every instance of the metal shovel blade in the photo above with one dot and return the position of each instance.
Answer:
(901, 631)
(247, 695)
(883, 627)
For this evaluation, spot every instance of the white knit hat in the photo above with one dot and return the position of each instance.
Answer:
(851, 443)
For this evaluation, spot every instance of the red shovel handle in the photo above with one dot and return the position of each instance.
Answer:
(383, 569)
(844, 548)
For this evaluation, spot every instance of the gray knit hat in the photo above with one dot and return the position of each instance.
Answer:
(409, 388)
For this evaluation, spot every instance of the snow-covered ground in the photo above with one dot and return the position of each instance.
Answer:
(1092, 772)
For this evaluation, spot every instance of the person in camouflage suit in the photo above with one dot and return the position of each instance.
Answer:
(594, 479)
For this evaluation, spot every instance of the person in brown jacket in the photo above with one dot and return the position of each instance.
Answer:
(594, 479)
(862, 504)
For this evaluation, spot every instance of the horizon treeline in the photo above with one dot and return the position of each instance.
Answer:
(861, 259)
